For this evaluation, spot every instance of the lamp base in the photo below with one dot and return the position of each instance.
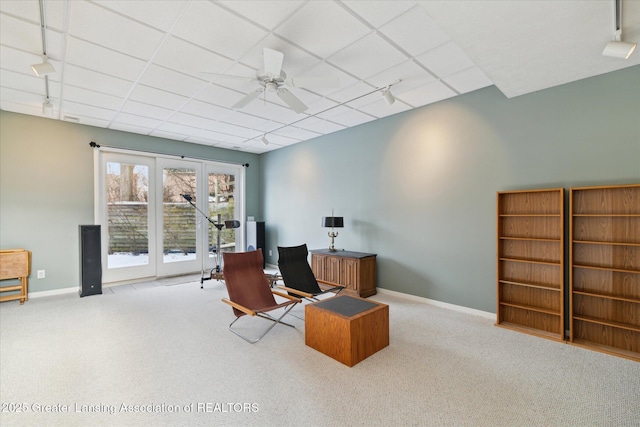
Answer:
(333, 235)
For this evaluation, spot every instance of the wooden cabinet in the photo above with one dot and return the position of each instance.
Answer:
(605, 269)
(15, 264)
(530, 261)
(356, 271)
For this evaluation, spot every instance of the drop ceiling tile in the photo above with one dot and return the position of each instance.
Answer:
(28, 10)
(368, 56)
(32, 109)
(167, 135)
(55, 13)
(94, 24)
(323, 28)
(409, 73)
(146, 110)
(89, 97)
(203, 109)
(280, 140)
(212, 27)
(90, 121)
(200, 139)
(272, 111)
(219, 95)
(135, 120)
(468, 80)
(153, 96)
(76, 109)
(321, 105)
(324, 69)
(21, 82)
(267, 14)
(427, 94)
(171, 81)
(351, 118)
(245, 120)
(125, 127)
(238, 131)
(208, 135)
(415, 32)
(20, 34)
(188, 58)
(162, 15)
(193, 121)
(17, 60)
(365, 100)
(352, 92)
(99, 82)
(177, 129)
(380, 108)
(96, 58)
(320, 126)
(445, 59)
(378, 13)
(296, 133)
(21, 97)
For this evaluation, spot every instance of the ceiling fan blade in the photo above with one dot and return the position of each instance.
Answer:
(315, 82)
(291, 100)
(272, 61)
(247, 99)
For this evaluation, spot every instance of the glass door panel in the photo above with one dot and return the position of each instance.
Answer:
(223, 187)
(180, 222)
(127, 214)
(125, 211)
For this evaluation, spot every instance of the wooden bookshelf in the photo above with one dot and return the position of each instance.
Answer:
(530, 262)
(605, 269)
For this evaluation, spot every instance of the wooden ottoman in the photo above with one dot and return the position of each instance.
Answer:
(348, 329)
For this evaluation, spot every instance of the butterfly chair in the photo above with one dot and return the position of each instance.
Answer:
(249, 290)
(298, 277)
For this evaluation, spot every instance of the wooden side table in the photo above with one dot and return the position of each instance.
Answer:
(15, 264)
(348, 329)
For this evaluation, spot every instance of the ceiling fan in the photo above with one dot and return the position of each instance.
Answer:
(272, 78)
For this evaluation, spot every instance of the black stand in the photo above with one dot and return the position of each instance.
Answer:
(218, 225)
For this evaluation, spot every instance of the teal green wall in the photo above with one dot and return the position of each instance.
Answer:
(419, 188)
(46, 187)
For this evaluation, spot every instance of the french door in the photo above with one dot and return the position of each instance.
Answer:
(155, 214)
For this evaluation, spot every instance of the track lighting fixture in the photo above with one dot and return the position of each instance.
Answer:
(47, 108)
(43, 69)
(388, 96)
(617, 48)
(264, 139)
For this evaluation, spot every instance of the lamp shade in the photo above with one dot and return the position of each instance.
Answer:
(333, 221)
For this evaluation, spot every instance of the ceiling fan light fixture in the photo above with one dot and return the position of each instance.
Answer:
(43, 69)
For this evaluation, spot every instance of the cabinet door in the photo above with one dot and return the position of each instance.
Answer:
(318, 266)
(350, 274)
(332, 269)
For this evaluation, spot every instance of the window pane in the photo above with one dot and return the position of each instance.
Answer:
(127, 214)
(222, 188)
(179, 217)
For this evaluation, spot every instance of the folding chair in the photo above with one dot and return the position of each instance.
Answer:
(298, 277)
(249, 291)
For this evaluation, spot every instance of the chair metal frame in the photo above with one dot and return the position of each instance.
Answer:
(250, 264)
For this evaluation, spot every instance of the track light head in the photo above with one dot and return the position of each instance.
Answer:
(43, 69)
(618, 49)
(264, 140)
(47, 108)
(388, 96)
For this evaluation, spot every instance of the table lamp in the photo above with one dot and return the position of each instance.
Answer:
(332, 222)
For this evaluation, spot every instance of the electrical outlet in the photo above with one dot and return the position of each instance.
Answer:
(270, 252)
(40, 274)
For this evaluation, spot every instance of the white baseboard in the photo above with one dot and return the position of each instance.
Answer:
(53, 292)
(441, 304)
